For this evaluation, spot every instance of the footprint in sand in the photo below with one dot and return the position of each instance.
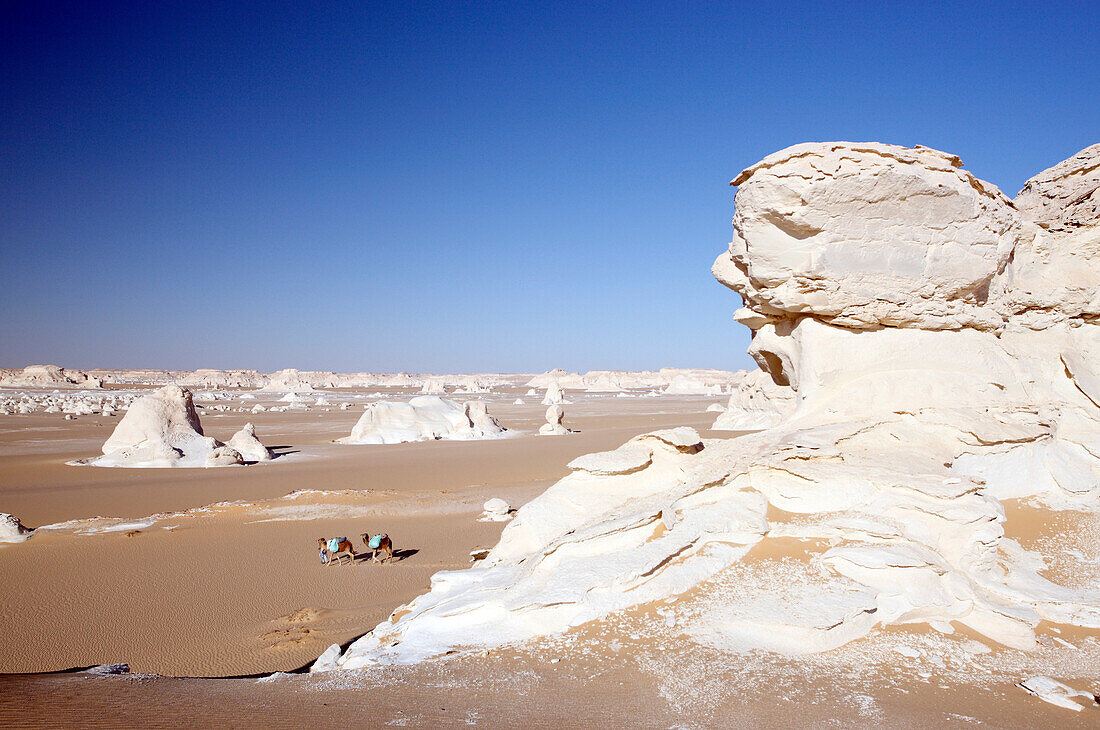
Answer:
(301, 616)
(287, 638)
(292, 631)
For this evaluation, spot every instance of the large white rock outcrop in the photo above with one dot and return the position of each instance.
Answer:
(162, 429)
(422, 419)
(936, 370)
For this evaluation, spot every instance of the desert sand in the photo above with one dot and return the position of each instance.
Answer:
(238, 589)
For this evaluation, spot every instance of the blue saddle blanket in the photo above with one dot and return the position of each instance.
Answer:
(334, 543)
(375, 542)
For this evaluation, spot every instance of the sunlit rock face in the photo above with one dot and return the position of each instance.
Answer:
(935, 350)
(161, 429)
(1065, 197)
(869, 235)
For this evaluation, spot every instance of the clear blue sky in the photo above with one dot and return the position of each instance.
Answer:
(462, 186)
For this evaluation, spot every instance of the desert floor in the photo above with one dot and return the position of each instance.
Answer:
(187, 574)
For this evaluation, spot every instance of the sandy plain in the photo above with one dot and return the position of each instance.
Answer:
(187, 574)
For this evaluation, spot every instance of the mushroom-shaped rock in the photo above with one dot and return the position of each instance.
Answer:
(866, 235)
(555, 415)
(248, 445)
(496, 510)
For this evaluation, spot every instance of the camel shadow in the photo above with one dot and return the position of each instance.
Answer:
(277, 451)
(398, 556)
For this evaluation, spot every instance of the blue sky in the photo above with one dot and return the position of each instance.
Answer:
(462, 186)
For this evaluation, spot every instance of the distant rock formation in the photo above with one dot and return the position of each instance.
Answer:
(288, 381)
(554, 394)
(49, 376)
(693, 381)
(423, 418)
(433, 386)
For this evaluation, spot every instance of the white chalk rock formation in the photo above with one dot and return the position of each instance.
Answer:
(421, 419)
(1065, 197)
(161, 429)
(758, 402)
(12, 530)
(496, 510)
(688, 385)
(936, 370)
(554, 426)
(49, 376)
(248, 445)
(554, 394)
(1055, 275)
(433, 386)
(288, 381)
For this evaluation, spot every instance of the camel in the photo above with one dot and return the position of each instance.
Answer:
(378, 544)
(343, 545)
